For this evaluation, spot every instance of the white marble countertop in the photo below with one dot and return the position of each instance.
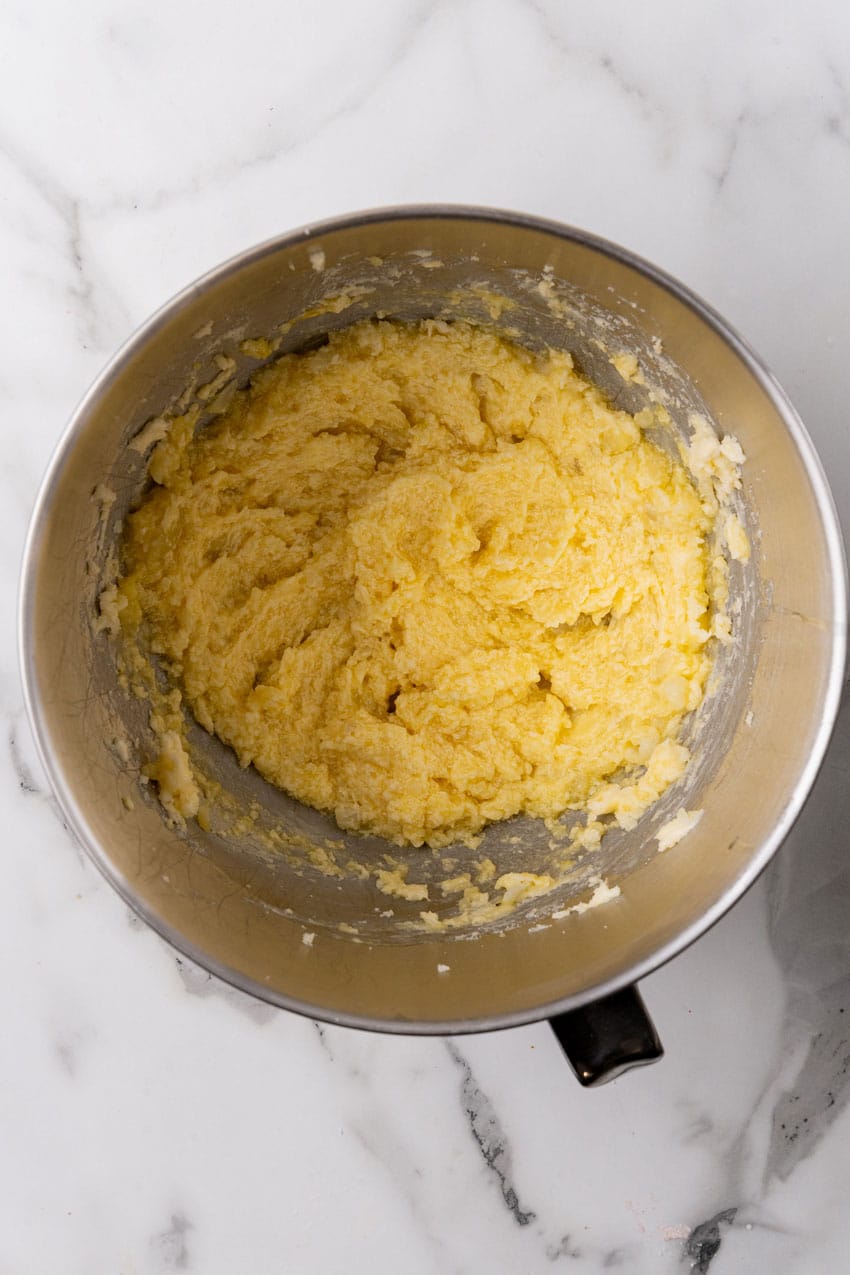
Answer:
(153, 1119)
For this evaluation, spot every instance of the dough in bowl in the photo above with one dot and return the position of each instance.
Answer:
(424, 579)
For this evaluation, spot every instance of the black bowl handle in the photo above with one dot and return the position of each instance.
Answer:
(608, 1036)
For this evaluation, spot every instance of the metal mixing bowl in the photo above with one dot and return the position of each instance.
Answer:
(242, 912)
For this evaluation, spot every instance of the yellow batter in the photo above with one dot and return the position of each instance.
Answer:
(425, 579)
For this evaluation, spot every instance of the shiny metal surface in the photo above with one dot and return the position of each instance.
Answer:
(241, 912)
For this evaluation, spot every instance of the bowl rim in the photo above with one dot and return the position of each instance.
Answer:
(306, 233)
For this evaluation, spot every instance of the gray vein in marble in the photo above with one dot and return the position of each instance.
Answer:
(634, 92)
(79, 850)
(134, 921)
(71, 1040)
(30, 788)
(172, 1244)
(700, 1126)
(733, 139)
(803, 1114)
(490, 1140)
(198, 982)
(26, 781)
(613, 1258)
(603, 62)
(563, 1248)
(838, 128)
(68, 209)
(703, 1244)
(809, 898)
(378, 1137)
(67, 1056)
(265, 156)
(322, 1034)
(486, 1129)
(328, 1034)
(838, 121)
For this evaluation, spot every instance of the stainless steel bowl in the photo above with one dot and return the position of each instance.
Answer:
(243, 913)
